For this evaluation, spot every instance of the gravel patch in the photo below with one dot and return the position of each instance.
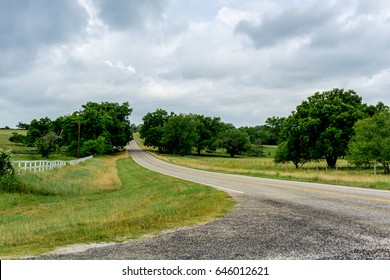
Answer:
(257, 228)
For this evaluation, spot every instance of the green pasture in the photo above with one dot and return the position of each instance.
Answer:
(102, 200)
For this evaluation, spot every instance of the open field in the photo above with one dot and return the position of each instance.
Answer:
(102, 200)
(5, 134)
(20, 152)
(265, 167)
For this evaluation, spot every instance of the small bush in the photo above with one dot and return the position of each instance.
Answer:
(99, 146)
(9, 183)
(17, 138)
(5, 163)
(8, 180)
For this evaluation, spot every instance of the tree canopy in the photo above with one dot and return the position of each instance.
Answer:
(179, 134)
(321, 127)
(103, 128)
(208, 129)
(152, 129)
(371, 142)
(235, 141)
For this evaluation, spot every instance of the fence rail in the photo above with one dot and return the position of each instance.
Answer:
(42, 165)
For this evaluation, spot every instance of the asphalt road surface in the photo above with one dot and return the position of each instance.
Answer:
(273, 219)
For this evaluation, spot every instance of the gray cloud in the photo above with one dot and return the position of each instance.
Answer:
(291, 23)
(325, 40)
(27, 25)
(123, 14)
(323, 25)
(241, 60)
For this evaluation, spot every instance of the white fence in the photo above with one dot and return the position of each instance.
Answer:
(77, 161)
(42, 165)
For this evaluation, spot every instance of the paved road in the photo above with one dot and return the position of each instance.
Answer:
(274, 219)
(370, 205)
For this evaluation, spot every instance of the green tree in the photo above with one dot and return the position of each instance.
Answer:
(325, 125)
(235, 141)
(47, 144)
(273, 126)
(254, 134)
(99, 146)
(119, 128)
(67, 129)
(23, 126)
(108, 121)
(37, 129)
(208, 129)
(371, 142)
(152, 129)
(179, 134)
(296, 147)
(372, 110)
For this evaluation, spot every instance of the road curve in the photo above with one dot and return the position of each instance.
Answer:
(359, 203)
(273, 219)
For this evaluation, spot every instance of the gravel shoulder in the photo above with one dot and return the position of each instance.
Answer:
(257, 228)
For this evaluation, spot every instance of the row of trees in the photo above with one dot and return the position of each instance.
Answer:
(327, 125)
(95, 129)
(180, 134)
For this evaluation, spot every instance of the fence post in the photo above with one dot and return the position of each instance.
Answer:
(375, 169)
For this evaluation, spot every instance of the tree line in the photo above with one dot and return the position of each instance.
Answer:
(326, 126)
(95, 129)
(183, 133)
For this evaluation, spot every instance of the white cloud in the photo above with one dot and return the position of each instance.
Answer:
(119, 65)
(232, 17)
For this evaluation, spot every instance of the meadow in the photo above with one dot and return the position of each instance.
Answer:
(105, 199)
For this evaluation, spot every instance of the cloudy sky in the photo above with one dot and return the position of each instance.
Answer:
(241, 60)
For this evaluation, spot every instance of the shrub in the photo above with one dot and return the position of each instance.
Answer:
(17, 138)
(5, 163)
(99, 146)
(8, 181)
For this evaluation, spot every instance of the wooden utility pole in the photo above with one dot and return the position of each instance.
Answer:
(78, 136)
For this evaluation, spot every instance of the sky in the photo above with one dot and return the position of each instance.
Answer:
(240, 60)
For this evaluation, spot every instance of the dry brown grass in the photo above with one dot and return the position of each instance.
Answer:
(97, 175)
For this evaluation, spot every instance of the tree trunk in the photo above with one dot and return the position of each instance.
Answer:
(331, 161)
(387, 168)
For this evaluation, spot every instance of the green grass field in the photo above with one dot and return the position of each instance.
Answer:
(102, 200)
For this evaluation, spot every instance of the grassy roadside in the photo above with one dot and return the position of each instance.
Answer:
(104, 199)
(265, 167)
